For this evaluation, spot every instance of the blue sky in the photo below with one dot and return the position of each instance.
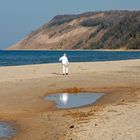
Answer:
(19, 17)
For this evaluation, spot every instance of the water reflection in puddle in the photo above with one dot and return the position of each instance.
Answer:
(6, 131)
(65, 100)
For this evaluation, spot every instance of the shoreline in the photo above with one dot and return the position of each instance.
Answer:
(22, 89)
(127, 50)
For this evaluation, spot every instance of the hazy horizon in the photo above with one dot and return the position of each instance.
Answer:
(19, 18)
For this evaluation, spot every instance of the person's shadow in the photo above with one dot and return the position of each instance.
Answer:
(55, 73)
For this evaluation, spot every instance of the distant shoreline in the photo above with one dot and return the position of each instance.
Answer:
(73, 50)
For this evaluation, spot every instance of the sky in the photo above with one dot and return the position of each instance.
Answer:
(20, 17)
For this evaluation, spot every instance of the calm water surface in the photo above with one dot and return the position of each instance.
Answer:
(12, 58)
(65, 100)
(6, 131)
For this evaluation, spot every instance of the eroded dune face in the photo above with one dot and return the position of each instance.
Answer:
(93, 30)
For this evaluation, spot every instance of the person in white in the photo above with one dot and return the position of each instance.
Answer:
(65, 63)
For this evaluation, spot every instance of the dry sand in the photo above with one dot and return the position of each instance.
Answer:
(116, 116)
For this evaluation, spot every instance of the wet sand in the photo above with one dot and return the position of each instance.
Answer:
(22, 89)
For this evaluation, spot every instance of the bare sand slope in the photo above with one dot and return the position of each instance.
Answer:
(115, 116)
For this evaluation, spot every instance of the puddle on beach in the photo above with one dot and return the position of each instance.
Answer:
(7, 131)
(66, 100)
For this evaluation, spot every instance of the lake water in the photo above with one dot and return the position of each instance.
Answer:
(65, 100)
(12, 58)
(6, 131)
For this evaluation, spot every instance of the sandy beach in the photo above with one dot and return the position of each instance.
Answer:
(116, 116)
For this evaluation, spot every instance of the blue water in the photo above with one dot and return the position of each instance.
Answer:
(65, 100)
(12, 58)
(6, 131)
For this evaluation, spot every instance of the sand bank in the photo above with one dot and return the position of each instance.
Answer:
(22, 89)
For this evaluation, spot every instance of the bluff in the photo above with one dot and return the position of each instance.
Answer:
(91, 30)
